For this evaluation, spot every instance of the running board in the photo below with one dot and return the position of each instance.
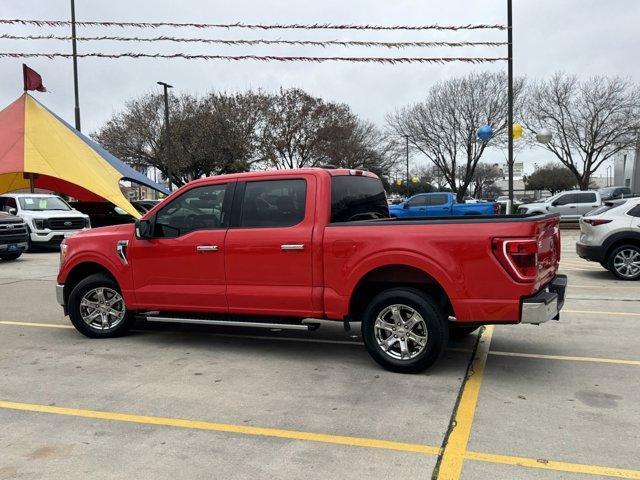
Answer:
(235, 323)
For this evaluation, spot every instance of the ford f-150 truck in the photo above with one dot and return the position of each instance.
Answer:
(441, 204)
(279, 249)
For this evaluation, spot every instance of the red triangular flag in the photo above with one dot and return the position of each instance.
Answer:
(32, 79)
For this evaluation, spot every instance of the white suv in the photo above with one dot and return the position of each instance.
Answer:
(610, 235)
(571, 205)
(48, 217)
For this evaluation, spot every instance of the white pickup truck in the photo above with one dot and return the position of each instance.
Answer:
(571, 205)
(48, 217)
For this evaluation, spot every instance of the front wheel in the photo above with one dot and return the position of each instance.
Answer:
(624, 262)
(404, 330)
(97, 309)
(11, 256)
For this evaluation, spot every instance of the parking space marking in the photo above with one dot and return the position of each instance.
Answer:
(553, 465)
(224, 427)
(33, 324)
(455, 446)
(599, 312)
(567, 358)
(617, 286)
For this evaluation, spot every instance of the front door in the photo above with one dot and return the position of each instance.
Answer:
(182, 268)
(566, 205)
(438, 205)
(416, 206)
(268, 247)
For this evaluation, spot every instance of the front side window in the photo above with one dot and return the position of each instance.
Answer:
(43, 203)
(420, 201)
(273, 203)
(566, 199)
(200, 208)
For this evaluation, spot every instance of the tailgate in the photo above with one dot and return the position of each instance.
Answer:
(548, 237)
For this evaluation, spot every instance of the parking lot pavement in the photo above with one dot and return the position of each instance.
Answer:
(167, 401)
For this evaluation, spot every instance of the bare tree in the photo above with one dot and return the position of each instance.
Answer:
(443, 127)
(484, 176)
(591, 120)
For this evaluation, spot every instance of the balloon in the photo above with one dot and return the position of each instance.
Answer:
(544, 135)
(517, 131)
(399, 182)
(415, 179)
(485, 133)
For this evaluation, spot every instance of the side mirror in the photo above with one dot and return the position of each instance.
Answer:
(12, 211)
(554, 204)
(143, 229)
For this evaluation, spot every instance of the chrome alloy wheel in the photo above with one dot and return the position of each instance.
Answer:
(401, 332)
(627, 263)
(102, 308)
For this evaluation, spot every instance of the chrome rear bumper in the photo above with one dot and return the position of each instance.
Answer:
(546, 304)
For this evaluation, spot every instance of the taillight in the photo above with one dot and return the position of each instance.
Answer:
(594, 222)
(519, 257)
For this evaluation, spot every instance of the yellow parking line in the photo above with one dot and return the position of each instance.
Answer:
(566, 358)
(599, 312)
(33, 324)
(456, 445)
(225, 427)
(553, 465)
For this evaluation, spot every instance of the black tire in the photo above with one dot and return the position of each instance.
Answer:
(611, 261)
(433, 317)
(84, 287)
(11, 256)
(460, 331)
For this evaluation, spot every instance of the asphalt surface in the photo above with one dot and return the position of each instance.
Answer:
(168, 401)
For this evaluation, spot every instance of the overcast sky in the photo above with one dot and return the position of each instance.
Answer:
(585, 37)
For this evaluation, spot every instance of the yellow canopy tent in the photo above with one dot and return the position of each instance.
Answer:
(37, 144)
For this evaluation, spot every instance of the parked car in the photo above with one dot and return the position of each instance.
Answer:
(13, 236)
(610, 235)
(312, 243)
(48, 217)
(102, 214)
(441, 204)
(571, 205)
(611, 193)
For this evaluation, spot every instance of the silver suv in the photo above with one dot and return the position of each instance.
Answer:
(571, 205)
(48, 217)
(610, 235)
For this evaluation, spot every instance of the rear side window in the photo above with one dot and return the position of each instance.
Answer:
(356, 197)
(438, 199)
(586, 197)
(274, 203)
(635, 211)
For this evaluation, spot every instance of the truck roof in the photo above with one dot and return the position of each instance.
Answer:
(287, 172)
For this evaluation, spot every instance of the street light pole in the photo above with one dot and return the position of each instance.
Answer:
(510, 100)
(406, 137)
(167, 136)
(75, 64)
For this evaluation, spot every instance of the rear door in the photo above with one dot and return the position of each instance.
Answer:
(268, 249)
(438, 205)
(586, 202)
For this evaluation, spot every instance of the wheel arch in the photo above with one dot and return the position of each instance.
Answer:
(396, 275)
(83, 270)
(618, 239)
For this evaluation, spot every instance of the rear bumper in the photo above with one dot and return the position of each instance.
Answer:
(546, 304)
(590, 252)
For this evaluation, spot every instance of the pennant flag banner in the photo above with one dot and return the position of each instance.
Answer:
(33, 140)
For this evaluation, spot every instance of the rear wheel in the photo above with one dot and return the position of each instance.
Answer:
(97, 308)
(11, 256)
(404, 330)
(624, 262)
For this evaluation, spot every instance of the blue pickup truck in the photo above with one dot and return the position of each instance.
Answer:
(441, 204)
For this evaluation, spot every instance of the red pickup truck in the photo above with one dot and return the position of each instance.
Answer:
(278, 249)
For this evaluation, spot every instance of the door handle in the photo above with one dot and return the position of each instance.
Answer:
(573, 207)
(292, 246)
(207, 248)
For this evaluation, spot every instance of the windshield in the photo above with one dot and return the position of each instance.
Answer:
(43, 203)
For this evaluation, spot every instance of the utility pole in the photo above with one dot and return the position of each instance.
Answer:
(75, 63)
(167, 136)
(406, 137)
(510, 100)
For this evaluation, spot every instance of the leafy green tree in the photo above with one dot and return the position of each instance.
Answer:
(552, 177)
